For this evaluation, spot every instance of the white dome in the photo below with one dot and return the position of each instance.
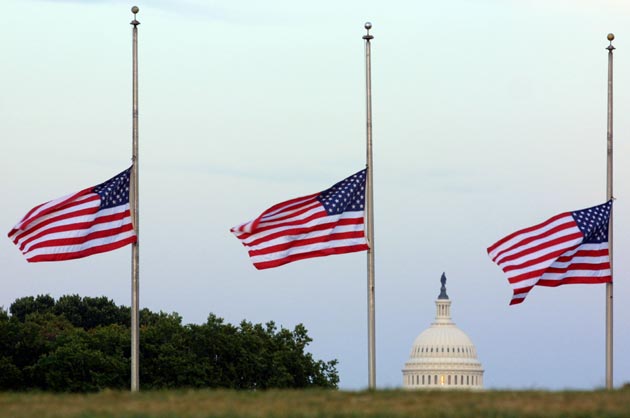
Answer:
(443, 356)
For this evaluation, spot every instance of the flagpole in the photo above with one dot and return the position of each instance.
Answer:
(370, 214)
(609, 195)
(135, 256)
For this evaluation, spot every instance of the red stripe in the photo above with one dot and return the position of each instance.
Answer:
(25, 222)
(584, 253)
(290, 213)
(531, 239)
(296, 222)
(320, 253)
(579, 266)
(534, 261)
(575, 280)
(522, 293)
(556, 283)
(81, 240)
(82, 253)
(563, 259)
(45, 222)
(25, 231)
(305, 230)
(75, 227)
(308, 241)
(526, 276)
(539, 272)
(526, 230)
(274, 208)
(543, 246)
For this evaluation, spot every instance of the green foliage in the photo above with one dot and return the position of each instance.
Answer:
(79, 344)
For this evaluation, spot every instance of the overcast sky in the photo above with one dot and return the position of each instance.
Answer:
(489, 116)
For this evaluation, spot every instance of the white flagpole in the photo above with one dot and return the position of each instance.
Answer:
(370, 214)
(135, 256)
(609, 195)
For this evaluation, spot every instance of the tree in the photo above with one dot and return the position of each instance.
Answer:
(83, 344)
(28, 305)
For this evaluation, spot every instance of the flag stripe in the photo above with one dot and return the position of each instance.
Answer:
(299, 240)
(345, 247)
(42, 210)
(60, 217)
(532, 240)
(77, 223)
(313, 217)
(94, 247)
(515, 237)
(79, 236)
(321, 223)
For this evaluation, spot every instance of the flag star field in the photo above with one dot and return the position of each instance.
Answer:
(347, 195)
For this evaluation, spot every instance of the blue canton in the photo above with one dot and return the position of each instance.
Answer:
(347, 195)
(593, 222)
(115, 191)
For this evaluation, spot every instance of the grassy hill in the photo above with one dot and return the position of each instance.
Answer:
(317, 403)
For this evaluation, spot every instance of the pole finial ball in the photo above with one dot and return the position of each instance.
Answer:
(610, 37)
(368, 25)
(135, 9)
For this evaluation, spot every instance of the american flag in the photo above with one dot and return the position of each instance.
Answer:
(568, 248)
(92, 221)
(321, 224)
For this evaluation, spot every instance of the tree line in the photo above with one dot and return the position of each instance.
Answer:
(82, 344)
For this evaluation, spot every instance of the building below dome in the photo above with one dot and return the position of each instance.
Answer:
(442, 356)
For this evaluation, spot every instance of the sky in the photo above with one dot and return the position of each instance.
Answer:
(489, 116)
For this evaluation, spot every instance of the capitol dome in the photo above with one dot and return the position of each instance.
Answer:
(443, 356)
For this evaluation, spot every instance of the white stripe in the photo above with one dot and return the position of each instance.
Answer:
(520, 296)
(247, 226)
(518, 238)
(33, 226)
(576, 273)
(307, 249)
(264, 218)
(310, 224)
(317, 208)
(313, 234)
(77, 233)
(543, 264)
(536, 243)
(525, 283)
(46, 206)
(89, 218)
(580, 260)
(76, 248)
(295, 206)
(559, 276)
